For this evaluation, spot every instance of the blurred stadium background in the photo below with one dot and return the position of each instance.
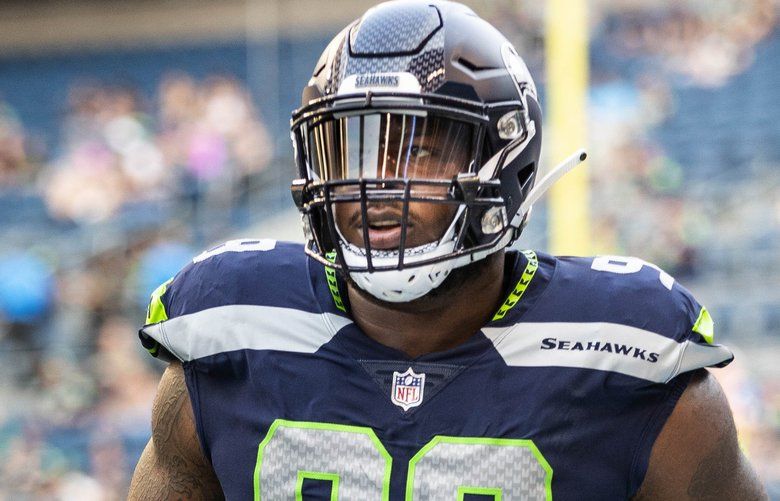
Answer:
(135, 133)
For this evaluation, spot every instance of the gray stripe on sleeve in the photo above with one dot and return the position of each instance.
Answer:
(603, 346)
(237, 327)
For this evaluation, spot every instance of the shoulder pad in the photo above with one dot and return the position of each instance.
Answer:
(631, 291)
(250, 272)
(615, 314)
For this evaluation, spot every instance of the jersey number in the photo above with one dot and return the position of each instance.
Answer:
(628, 265)
(241, 245)
(357, 465)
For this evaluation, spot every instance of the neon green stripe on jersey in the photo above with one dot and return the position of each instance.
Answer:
(156, 312)
(515, 296)
(333, 285)
(705, 326)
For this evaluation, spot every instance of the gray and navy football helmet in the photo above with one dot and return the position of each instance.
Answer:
(415, 102)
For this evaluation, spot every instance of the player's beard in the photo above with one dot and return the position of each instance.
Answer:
(440, 296)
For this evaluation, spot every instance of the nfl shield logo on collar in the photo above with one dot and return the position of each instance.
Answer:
(407, 391)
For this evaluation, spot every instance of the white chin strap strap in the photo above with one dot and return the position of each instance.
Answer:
(400, 286)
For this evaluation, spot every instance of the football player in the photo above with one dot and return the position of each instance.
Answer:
(404, 352)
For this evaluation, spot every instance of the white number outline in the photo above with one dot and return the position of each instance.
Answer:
(240, 245)
(627, 265)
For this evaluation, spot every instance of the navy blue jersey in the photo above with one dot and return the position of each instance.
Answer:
(560, 396)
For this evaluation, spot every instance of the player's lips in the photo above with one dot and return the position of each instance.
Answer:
(384, 227)
(384, 236)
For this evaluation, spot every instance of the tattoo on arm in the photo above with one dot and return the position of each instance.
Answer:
(172, 465)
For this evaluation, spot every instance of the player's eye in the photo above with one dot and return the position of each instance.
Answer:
(419, 151)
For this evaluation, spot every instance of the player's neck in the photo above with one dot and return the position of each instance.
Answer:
(435, 322)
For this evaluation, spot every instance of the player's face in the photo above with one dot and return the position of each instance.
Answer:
(426, 223)
(409, 149)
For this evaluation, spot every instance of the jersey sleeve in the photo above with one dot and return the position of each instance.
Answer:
(694, 348)
(156, 316)
(676, 326)
(617, 315)
(235, 273)
(205, 308)
(695, 335)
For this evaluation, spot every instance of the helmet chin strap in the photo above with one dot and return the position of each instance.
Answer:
(536, 193)
(408, 284)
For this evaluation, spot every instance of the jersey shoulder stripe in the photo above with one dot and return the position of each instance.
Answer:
(612, 314)
(605, 347)
(258, 272)
(209, 306)
(244, 327)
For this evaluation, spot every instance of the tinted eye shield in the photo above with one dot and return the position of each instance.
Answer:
(330, 108)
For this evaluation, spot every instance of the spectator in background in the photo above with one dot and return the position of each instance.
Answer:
(207, 136)
(109, 157)
(212, 134)
(705, 42)
(15, 167)
(26, 297)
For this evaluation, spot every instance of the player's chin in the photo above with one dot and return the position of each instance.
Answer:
(427, 303)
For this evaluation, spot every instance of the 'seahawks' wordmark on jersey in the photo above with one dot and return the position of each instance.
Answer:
(560, 396)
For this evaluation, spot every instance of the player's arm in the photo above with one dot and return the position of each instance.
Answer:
(697, 456)
(172, 465)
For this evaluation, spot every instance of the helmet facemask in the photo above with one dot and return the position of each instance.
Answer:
(378, 98)
(369, 164)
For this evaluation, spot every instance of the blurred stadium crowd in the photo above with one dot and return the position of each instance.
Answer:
(128, 183)
(80, 393)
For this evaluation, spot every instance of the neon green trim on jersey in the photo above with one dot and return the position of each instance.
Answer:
(528, 274)
(506, 442)
(333, 285)
(482, 491)
(705, 326)
(317, 475)
(156, 313)
(330, 427)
